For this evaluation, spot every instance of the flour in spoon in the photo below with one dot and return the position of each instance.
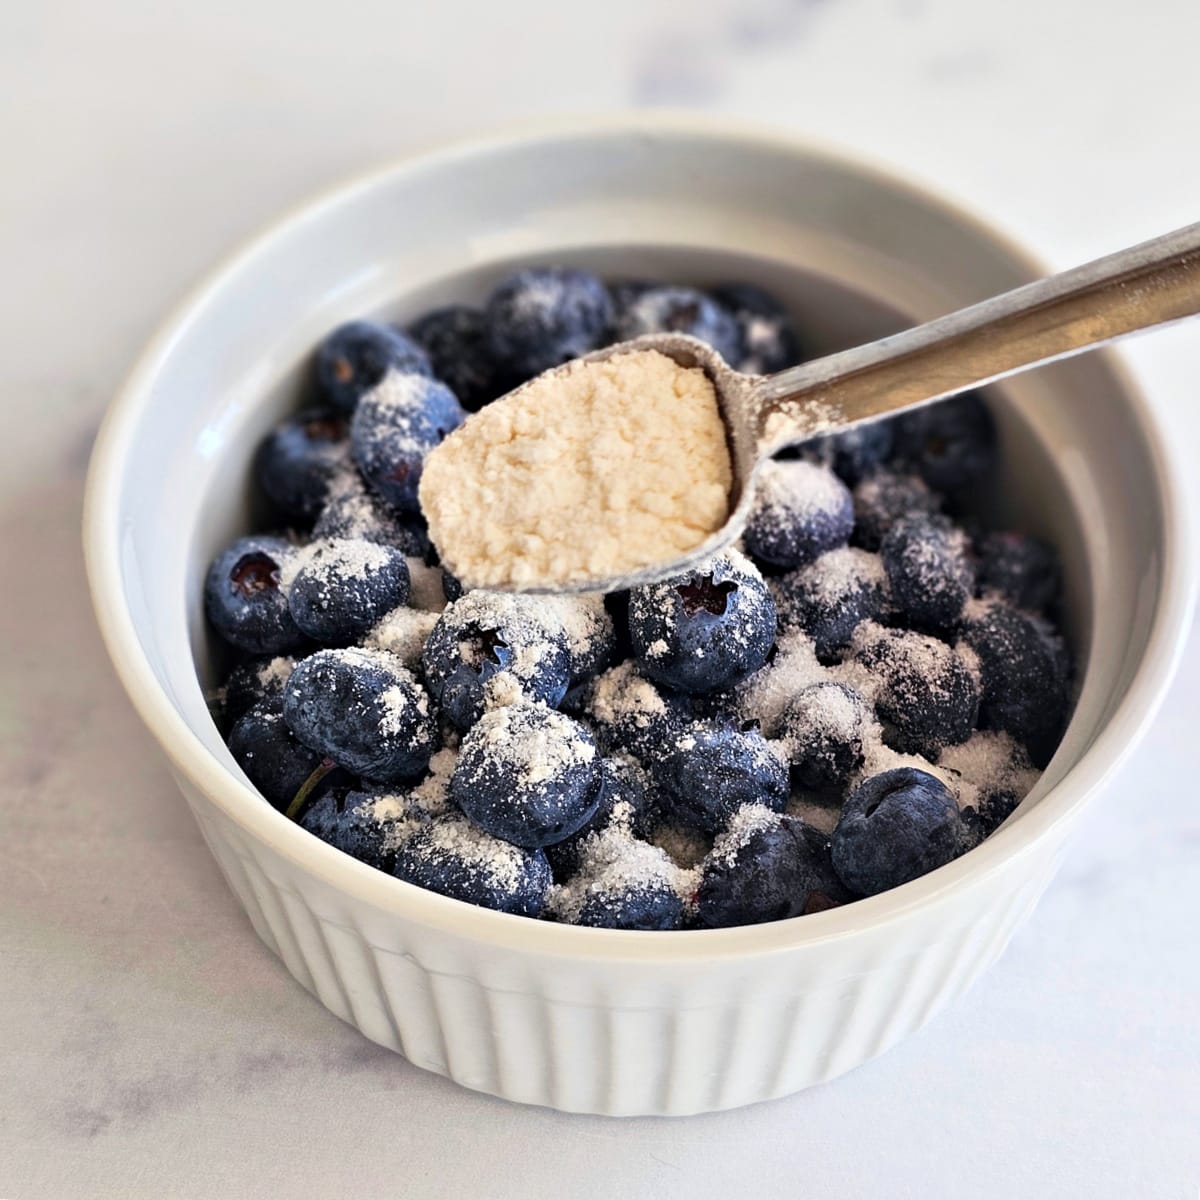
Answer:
(589, 472)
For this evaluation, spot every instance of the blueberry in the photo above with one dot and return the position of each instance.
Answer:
(527, 774)
(273, 760)
(356, 356)
(858, 452)
(632, 906)
(992, 810)
(896, 827)
(625, 293)
(882, 499)
(395, 426)
(244, 597)
(1025, 678)
(823, 728)
(711, 771)
(455, 338)
(951, 444)
(252, 681)
(706, 629)
(486, 634)
(1024, 570)
(830, 598)
(297, 460)
(632, 715)
(364, 710)
(769, 339)
(762, 868)
(683, 310)
(350, 822)
(352, 510)
(625, 792)
(459, 860)
(925, 693)
(591, 636)
(928, 570)
(343, 588)
(801, 510)
(452, 589)
(540, 318)
(622, 883)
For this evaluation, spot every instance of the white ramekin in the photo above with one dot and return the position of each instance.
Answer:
(582, 1019)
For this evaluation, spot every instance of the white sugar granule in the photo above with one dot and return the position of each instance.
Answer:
(432, 794)
(403, 632)
(277, 672)
(398, 701)
(822, 817)
(621, 694)
(990, 762)
(765, 695)
(593, 471)
(684, 846)
(425, 586)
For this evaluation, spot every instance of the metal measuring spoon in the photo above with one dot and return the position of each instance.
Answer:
(1146, 285)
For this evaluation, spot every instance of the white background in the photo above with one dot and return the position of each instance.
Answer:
(149, 1045)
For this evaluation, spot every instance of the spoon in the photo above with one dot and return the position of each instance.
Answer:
(1146, 285)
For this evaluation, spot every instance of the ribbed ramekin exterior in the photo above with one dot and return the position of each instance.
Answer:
(630, 1038)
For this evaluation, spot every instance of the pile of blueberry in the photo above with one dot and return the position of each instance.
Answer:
(859, 693)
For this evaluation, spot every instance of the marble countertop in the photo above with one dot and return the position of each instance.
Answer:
(151, 1045)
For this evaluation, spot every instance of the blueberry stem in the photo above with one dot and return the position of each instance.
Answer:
(300, 799)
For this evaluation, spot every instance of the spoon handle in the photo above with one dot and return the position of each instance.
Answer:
(1134, 289)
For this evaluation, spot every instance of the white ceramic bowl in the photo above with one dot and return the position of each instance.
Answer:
(595, 1020)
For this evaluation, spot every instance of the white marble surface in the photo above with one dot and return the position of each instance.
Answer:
(151, 1046)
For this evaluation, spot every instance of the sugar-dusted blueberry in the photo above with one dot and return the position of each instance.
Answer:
(761, 868)
(396, 424)
(632, 714)
(273, 760)
(245, 598)
(896, 826)
(856, 453)
(682, 310)
(527, 774)
(925, 692)
(1025, 676)
(485, 634)
(823, 729)
(712, 770)
(621, 882)
(251, 681)
(950, 444)
(455, 339)
(625, 795)
(364, 710)
(342, 588)
(624, 293)
(297, 460)
(356, 356)
(352, 510)
(831, 597)
(801, 510)
(1022, 569)
(884, 498)
(457, 859)
(706, 629)
(452, 589)
(769, 339)
(927, 559)
(591, 635)
(546, 316)
(362, 824)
